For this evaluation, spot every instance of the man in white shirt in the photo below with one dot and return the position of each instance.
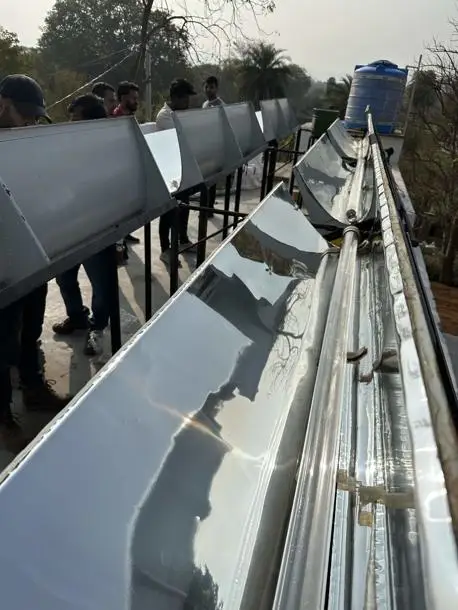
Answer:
(211, 91)
(179, 99)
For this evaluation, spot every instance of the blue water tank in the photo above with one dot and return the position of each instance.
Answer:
(381, 86)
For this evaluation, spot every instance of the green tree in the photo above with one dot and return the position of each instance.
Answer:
(337, 93)
(13, 57)
(430, 155)
(263, 71)
(92, 35)
(297, 88)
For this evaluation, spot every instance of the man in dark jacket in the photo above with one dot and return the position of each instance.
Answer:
(21, 323)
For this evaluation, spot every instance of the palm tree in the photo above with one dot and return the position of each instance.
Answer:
(263, 71)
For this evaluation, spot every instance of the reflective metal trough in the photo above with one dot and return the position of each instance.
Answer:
(279, 436)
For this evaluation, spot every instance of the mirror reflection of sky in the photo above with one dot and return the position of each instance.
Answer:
(288, 225)
(253, 274)
(165, 149)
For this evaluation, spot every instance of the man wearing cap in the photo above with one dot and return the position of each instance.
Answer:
(180, 96)
(21, 323)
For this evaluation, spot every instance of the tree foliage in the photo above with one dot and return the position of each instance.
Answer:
(337, 93)
(13, 56)
(92, 35)
(263, 71)
(430, 158)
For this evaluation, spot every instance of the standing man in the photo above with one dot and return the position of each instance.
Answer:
(21, 323)
(85, 108)
(128, 100)
(211, 87)
(180, 95)
(107, 93)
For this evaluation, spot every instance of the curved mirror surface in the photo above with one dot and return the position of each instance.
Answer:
(72, 185)
(327, 176)
(165, 149)
(167, 483)
(343, 143)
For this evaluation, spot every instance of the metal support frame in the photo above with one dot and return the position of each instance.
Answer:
(272, 166)
(174, 250)
(238, 193)
(227, 204)
(115, 315)
(148, 271)
(265, 165)
(297, 143)
(202, 228)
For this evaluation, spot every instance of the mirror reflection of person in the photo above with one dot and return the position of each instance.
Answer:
(164, 575)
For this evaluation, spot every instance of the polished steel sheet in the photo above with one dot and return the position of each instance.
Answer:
(342, 141)
(325, 182)
(72, 188)
(71, 198)
(167, 482)
(206, 139)
(246, 128)
(328, 178)
(273, 121)
(165, 148)
(289, 116)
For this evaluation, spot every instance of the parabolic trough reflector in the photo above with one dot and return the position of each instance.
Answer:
(64, 198)
(325, 180)
(345, 145)
(167, 481)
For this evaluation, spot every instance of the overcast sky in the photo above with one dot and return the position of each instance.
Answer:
(327, 37)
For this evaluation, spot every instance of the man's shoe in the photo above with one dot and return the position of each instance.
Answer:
(131, 239)
(94, 343)
(70, 325)
(43, 397)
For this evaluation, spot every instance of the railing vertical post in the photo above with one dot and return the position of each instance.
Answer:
(265, 166)
(272, 166)
(202, 230)
(148, 271)
(174, 248)
(227, 202)
(238, 193)
(115, 315)
(297, 144)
